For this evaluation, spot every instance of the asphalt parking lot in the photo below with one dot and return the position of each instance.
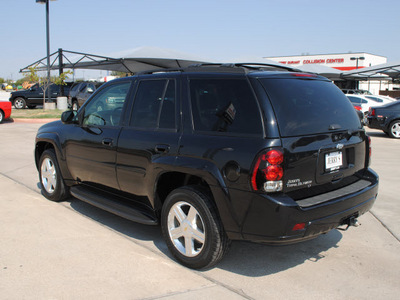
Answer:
(71, 250)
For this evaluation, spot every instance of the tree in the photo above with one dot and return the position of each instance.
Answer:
(33, 77)
(60, 80)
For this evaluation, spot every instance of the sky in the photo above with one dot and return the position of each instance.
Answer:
(211, 29)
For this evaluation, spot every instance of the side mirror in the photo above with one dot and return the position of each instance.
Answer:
(68, 116)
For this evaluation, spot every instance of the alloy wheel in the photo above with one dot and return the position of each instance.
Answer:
(48, 175)
(395, 129)
(186, 229)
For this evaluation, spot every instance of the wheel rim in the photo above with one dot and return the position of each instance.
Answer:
(396, 130)
(48, 175)
(19, 103)
(186, 229)
(1, 116)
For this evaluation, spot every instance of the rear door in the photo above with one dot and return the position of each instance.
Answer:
(149, 143)
(322, 137)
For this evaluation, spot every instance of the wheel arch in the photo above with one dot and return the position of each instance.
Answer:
(208, 177)
(390, 119)
(46, 141)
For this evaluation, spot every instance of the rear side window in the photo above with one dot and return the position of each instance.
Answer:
(224, 105)
(154, 105)
(376, 99)
(357, 100)
(305, 107)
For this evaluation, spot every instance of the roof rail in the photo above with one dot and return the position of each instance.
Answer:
(160, 71)
(223, 67)
(249, 66)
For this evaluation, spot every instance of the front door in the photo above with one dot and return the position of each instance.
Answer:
(91, 146)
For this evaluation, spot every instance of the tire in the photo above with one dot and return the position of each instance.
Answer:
(1, 116)
(51, 181)
(75, 105)
(190, 217)
(19, 103)
(394, 129)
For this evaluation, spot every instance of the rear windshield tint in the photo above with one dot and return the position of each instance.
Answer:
(305, 107)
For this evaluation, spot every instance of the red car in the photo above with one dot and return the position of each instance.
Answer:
(5, 110)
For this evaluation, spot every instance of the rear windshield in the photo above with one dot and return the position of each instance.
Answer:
(304, 106)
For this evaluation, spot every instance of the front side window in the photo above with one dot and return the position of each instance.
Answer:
(154, 105)
(224, 105)
(105, 108)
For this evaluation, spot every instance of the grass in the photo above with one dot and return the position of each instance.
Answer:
(37, 113)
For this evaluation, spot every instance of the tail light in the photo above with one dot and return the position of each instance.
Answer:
(371, 112)
(268, 171)
(357, 107)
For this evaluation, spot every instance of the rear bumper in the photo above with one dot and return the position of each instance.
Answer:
(270, 219)
(375, 123)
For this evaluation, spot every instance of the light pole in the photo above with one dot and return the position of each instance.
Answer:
(356, 59)
(48, 45)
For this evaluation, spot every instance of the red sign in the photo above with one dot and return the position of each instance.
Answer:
(314, 61)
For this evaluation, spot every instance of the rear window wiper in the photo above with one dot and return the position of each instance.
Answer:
(335, 127)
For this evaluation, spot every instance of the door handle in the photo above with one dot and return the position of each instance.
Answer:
(107, 142)
(161, 148)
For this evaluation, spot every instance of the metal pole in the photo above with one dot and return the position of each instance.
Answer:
(48, 51)
(60, 68)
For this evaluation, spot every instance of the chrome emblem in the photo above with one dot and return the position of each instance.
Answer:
(339, 146)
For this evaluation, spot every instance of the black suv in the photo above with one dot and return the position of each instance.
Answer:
(34, 96)
(214, 153)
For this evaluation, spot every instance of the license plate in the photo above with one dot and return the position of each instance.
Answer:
(333, 161)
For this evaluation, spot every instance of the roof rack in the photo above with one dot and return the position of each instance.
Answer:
(160, 71)
(223, 67)
(248, 66)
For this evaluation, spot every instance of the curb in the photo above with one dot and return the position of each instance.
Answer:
(40, 121)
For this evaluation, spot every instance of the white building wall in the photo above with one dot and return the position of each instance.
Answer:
(341, 61)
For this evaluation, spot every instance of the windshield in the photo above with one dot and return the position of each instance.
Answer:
(305, 107)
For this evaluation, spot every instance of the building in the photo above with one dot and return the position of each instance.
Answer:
(343, 62)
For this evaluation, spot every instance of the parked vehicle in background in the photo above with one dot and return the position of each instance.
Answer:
(356, 92)
(386, 118)
(359, 113)
(34, 95)
(5, 110)
(363, 102)
(214, 153)
(80, 92)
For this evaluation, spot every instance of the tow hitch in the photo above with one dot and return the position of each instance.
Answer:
(351, 221)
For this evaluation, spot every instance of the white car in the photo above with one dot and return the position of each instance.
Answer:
(364, 102)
